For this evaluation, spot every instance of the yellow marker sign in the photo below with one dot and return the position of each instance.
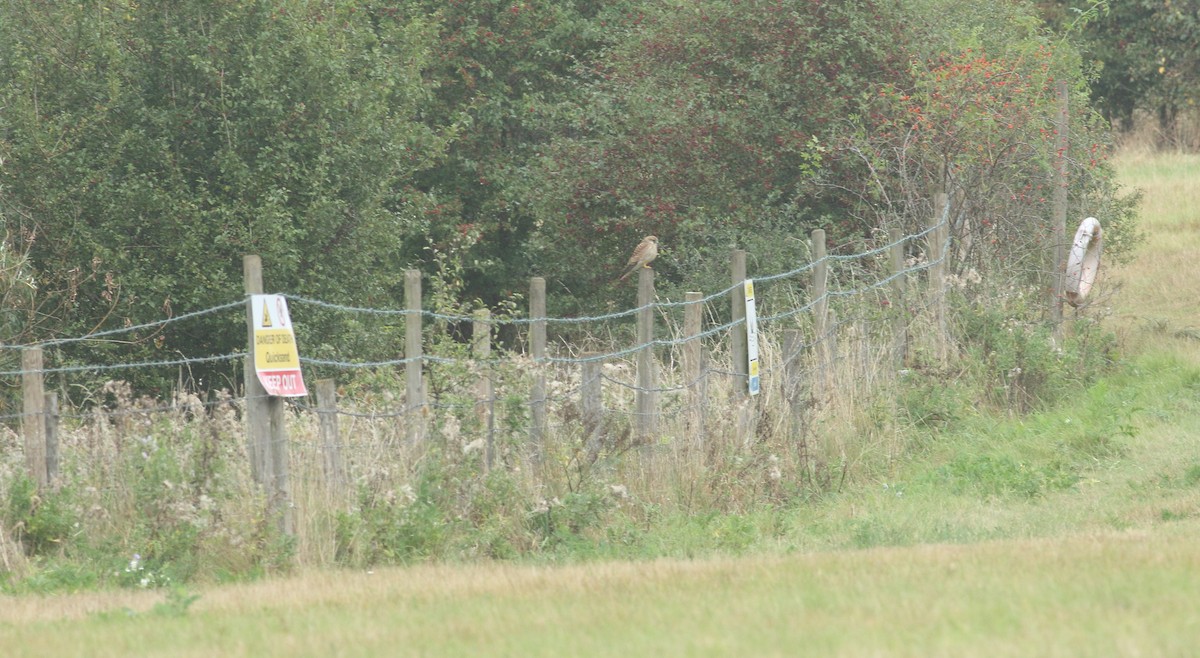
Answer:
(276, 358)
(753, 379)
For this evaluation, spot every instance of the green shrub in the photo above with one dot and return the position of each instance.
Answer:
(932, 401)
(1021, 366)
(43, 521)
(568, 522)
(58, 575)
(390, 526)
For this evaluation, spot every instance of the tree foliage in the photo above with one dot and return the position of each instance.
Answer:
(1144, 54)
(707, 125)
(504, 70)
(146, 146)
(979, 120)
(149, 145)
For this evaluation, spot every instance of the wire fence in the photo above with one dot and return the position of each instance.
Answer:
(831, 335)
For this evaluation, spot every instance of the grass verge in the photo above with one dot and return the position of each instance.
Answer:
(1072, 531)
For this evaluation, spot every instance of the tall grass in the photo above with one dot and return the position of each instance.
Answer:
(155, 493)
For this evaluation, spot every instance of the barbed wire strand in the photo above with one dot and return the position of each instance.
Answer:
(447, 317)
(131, 329)
(426, 358)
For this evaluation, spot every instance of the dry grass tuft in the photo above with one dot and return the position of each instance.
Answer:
(13, 562)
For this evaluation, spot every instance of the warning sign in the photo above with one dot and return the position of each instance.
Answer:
(754, 379)
(276, 358)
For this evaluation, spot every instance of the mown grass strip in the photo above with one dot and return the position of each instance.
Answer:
(1105, 594)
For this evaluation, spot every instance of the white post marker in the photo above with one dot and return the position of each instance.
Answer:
(276, 358)
(753, 380)
(1083, 263)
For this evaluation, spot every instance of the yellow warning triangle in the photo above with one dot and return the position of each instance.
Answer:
(266, 315)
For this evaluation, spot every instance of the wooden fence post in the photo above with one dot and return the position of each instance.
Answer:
(485, 403)
(795, 393)
(281, 493)
(744, 424)
(899, 308)
(265, 418)
(943, 327)
(258, 417)
(591, 403)
(52, 455)
(737, 307)
(537, 348)
(331, 440)
(820, 308)
(937, 240)
(415, 358)
(793, 346)
(33, 420)
(694, 365)
(1058, 236)
(647, 398)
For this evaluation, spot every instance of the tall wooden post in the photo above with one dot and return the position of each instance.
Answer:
(33, 420)
(647, 398)
(1058, 235)
(937, 240)
(258, 415)
(281, 486)
(331, 440)
(795, 393)
(265, 418)
(694, 366)
(485, 404)
(591, 404)
(414, 390)
(537, 349)
(740, 395)
(899, 314)
(820, 308)
(737, 307)
(52, 455)
(793, 366)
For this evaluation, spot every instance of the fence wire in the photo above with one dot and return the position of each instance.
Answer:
(639, 437)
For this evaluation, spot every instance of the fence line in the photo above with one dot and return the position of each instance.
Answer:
(586, 407)
(123, 330)
(630, 312)
(429, 358)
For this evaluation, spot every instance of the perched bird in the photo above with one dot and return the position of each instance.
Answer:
(647, 250)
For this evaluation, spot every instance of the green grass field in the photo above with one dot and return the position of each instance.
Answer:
(1073, 532)
(1116, 593)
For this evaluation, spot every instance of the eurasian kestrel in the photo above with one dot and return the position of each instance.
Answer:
(647, 250)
